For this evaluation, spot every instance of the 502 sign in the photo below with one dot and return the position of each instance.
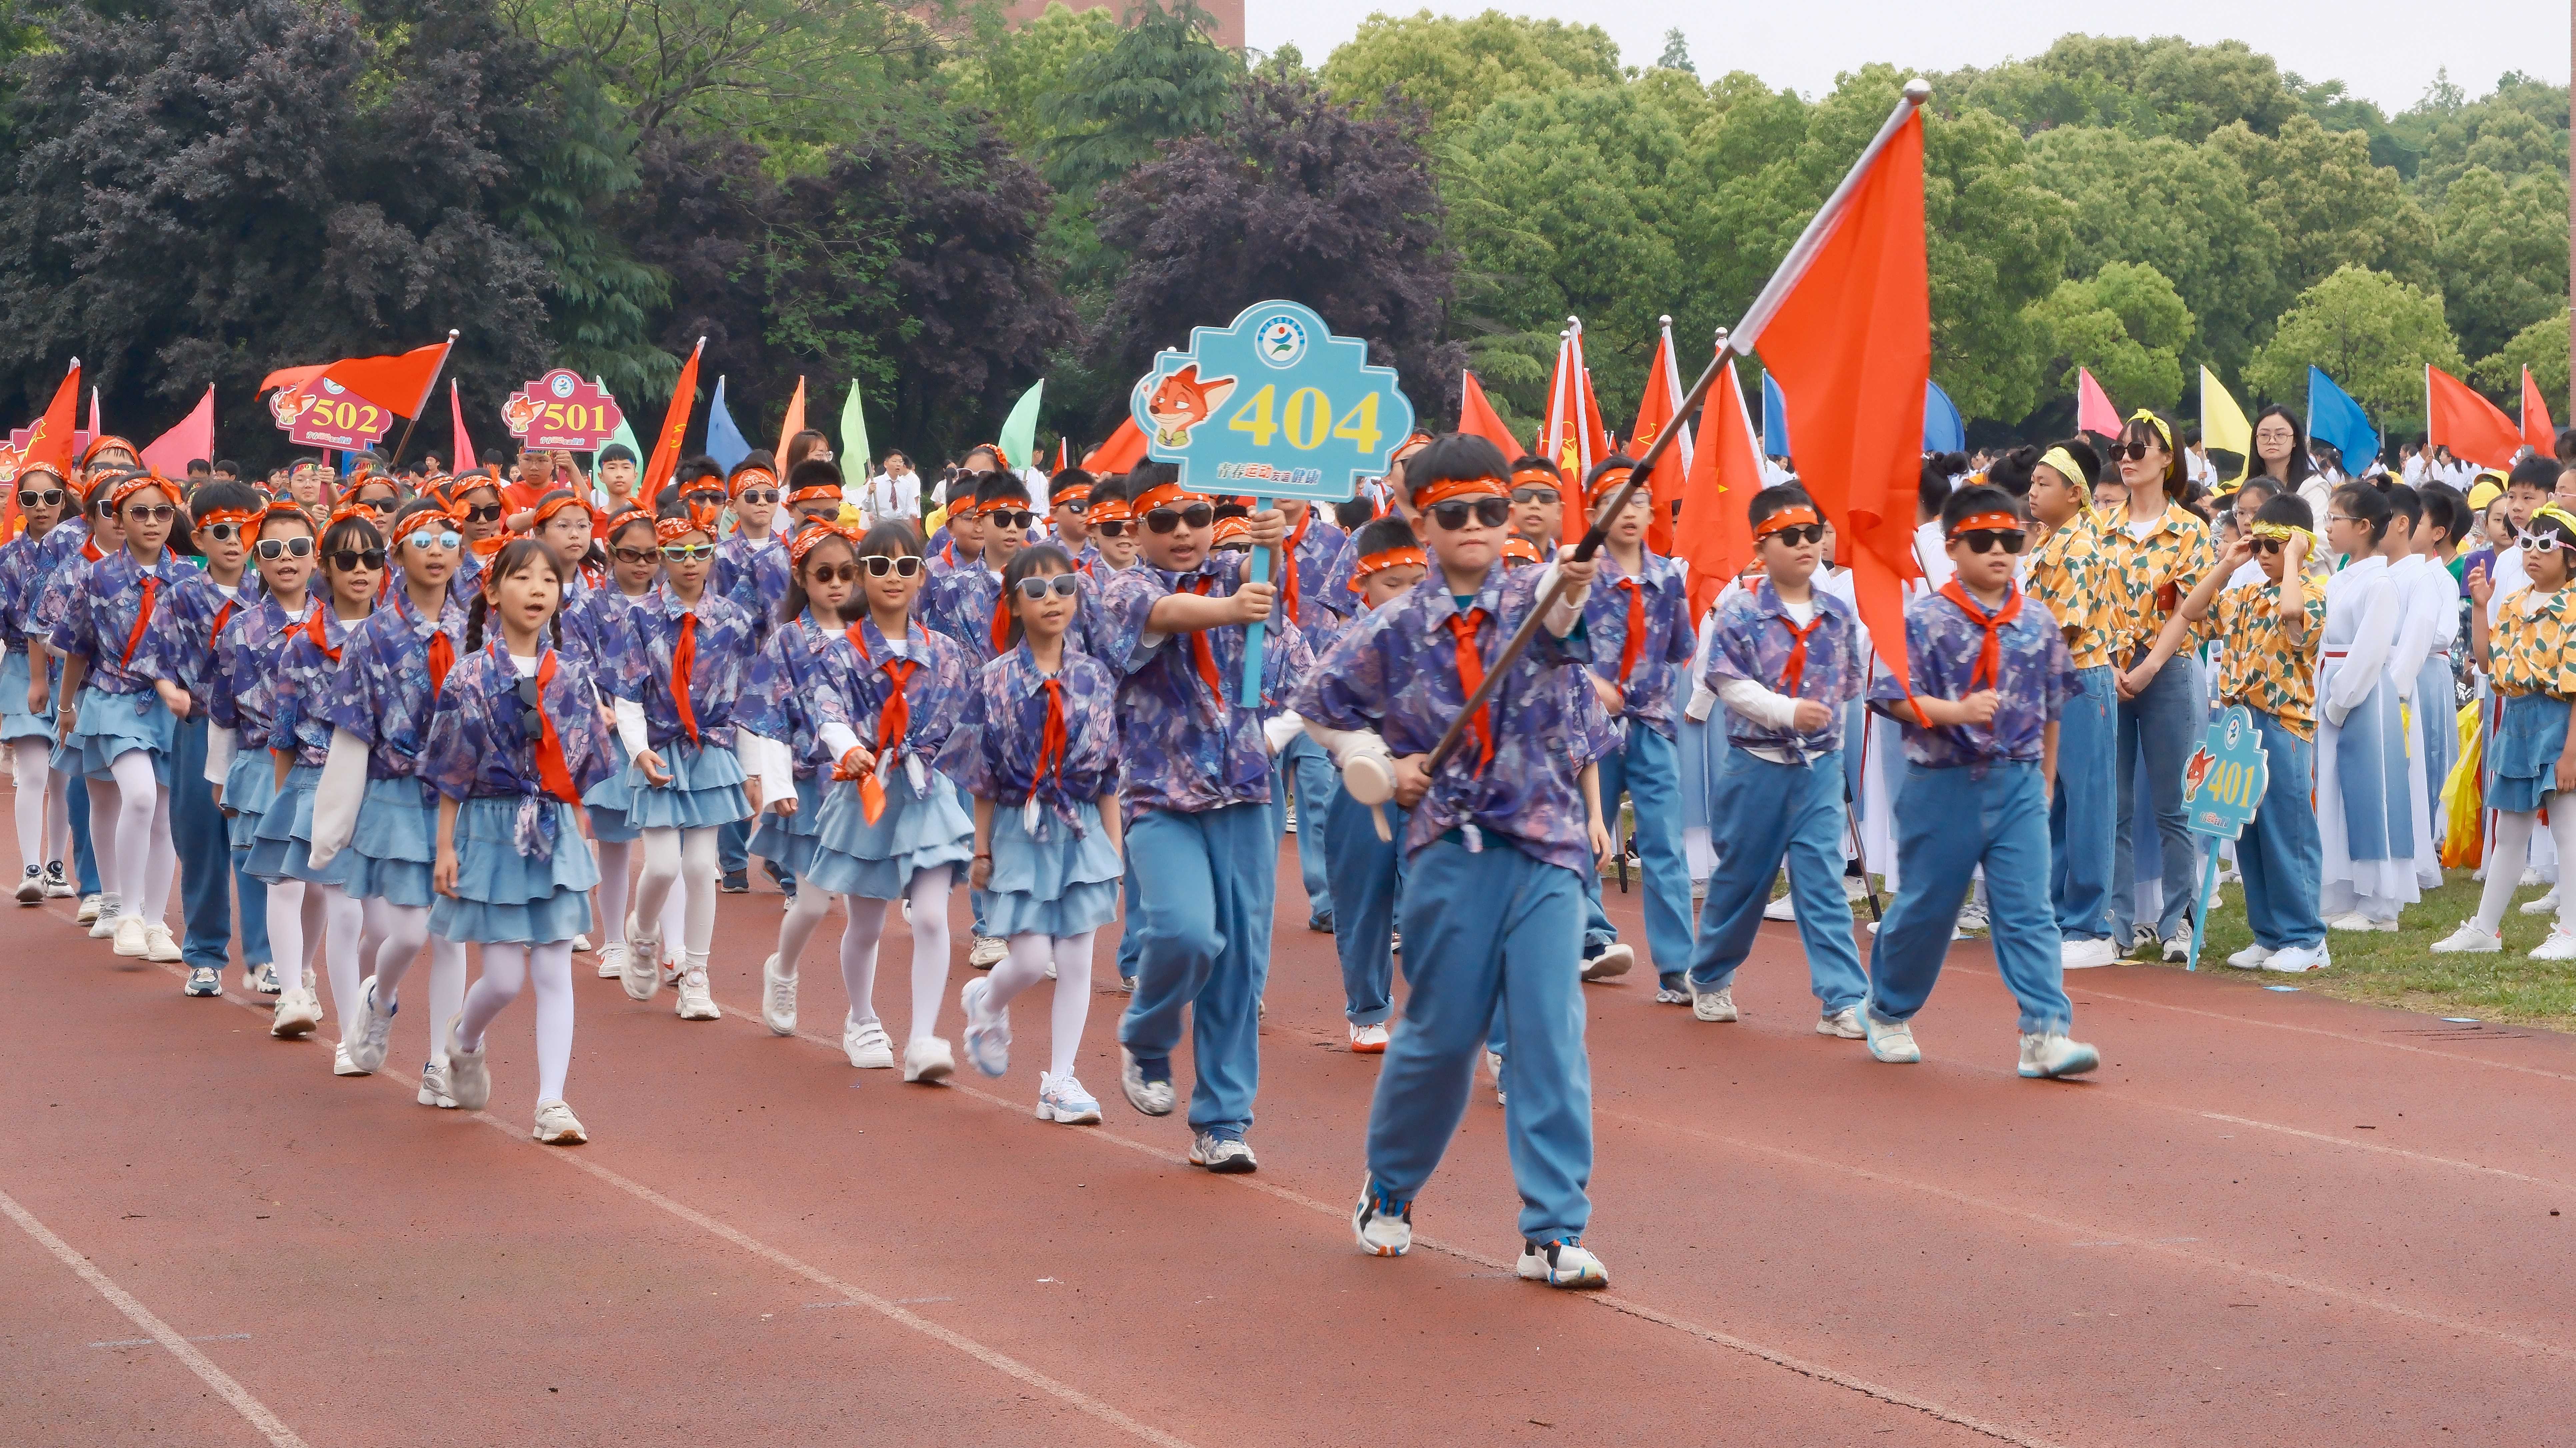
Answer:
(329, 416)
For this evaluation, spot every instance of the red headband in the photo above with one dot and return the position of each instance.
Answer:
(671, 530)
(346, 511)
(132, 484)
(1230, 530)
(548, 509)
(1433, 494)
(1983, 522)
(1536, 475)
(1167, 495)
(1520, 547)
(1385, 559)
(1062, 496)
(814, 535)
(1113, 511)
(101, 444)
(813, 493)
(1609, 480)
(238, 517)
(752, 477)
(1785, 518)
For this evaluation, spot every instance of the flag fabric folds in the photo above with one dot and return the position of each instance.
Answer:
(1663, 399)
(2536, 430)
(1775, 418)
(400, 383)
(1943, 429)
(2223, 427)
(1575, 438)
(194, 437)
(725, 442)
(2333, 417)
(855, 457)
(1019, 436)
(790, 425)
(1715, 535)
(465, 457)
(1476, 415)
(2093, 410)
(1124, 450)
(2469, 425)
(675, 424)
(51, 442)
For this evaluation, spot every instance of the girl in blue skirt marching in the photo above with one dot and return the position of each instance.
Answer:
(240, 703)
(27, 728)
(594, 625)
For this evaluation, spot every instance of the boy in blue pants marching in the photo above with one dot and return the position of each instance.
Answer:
(1990, 674)
(1495, 848)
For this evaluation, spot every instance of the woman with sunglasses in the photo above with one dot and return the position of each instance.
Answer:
(299, 742)
(372, 810)
(891, 828)
(593, 624)
(116, 724)
(26, 708)
(2364, 820)
(681, 657)
(240, 706)
(1038, 750)
(800, 690)
(515, 739)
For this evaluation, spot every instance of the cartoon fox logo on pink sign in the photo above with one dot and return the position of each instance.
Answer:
(1181, 402)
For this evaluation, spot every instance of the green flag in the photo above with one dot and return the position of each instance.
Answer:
(854, 435)
(1019, 437)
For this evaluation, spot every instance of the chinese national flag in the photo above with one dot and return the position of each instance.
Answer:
(1715, 535)
(1663, 395)
(2472, 427)
(51, 443)
(675, 422)
(1124, 450)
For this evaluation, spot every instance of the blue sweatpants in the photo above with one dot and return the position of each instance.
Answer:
(2083, 817)
(2280, 853)
(2157, 731)
(1305, 766)
(1769, 813)
(1130, 942)
(1202, 934)
(207, 873)
(1648, 771)
(1367, 878)
(733, 852)
(1487, 929)
(1950, 821)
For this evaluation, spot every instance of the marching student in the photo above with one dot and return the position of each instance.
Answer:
(299, 743)
(565, 523)
(70, 552)
(1639, 622)
(1538, 504)
(2363, 808)
(596, 633)
(1990, 673)
(2067, 572)
(239, 706)
(45, 501)
(1785, 660)
(1366, 873)
(116, 723)
(1495, 848)
(2529, 654)
(1069, 512)
(966, 604)
(2419, 662)
(2438, 596)
(1038, 749)
(1114, 543)
(964, 542)
(2269, 638)
(892, 827)
(751, 570)
(371, 806)
(681, 654)
(1196, 794)
(1301, 769)
(814, 491)
(515, 738)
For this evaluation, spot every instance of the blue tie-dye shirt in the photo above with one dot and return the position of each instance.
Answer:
(1752, 641)
(638, 641)
(2037, 677)
(1663, 590)
(382, 693)
(482, 744)
(1184, 748)
(994, 753)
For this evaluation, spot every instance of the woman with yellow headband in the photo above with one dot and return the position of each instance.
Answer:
(2364, 818)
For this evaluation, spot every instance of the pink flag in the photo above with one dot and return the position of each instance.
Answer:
(93, 414)
(194, 437)
(2093, 410)
(464, 459)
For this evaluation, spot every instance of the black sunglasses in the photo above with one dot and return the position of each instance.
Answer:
(1011, 519)
(487, 513)
(633, 555)
(1799, 535)
(1535, 495)
(1987, 540)
(901, 565)
(220, 532)
(1110, 528)
(2135, 452)
(758, 495)
(1486, 512)
(49, 498)
(2270, 545)
(273, 549)
(836, 573)
(151, 513)
(1062, 585)
(1164, 520)
(345, 559)
(1076, 505)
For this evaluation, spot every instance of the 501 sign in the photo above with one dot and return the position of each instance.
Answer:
(562, 411)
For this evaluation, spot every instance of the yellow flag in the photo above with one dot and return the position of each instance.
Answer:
(2223, 427)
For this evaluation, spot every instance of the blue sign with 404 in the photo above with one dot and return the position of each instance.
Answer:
(1274, 406)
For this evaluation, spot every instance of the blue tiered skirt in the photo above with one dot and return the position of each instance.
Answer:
(705, 791)
(394, 843)
(250, 788)
(282, 848)
(1055, 883)
(2524, 756)
(877, 861)
(112, 724)
(609, 800)
(15, 722)
(787, 841)
(506, 896)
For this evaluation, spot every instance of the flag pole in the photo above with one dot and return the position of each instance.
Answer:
(422, 405)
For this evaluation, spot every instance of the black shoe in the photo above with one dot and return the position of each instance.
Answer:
(736, 882)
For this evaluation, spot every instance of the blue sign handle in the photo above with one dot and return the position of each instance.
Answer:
(1260, 566)
(2200, 907)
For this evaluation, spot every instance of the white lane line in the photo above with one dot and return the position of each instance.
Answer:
(149, 1341)
(2375, 1147)
(269, 1424)
(2345, 1037)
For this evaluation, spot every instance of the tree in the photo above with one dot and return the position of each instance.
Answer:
(2501, 254)
(1295, 197)
(1012, 70)
(2127, 324)
(2328, 203)
(2161, 87)
(1676, 54)
(1453, 68)
(2542, 347)
(2372, 333)
(2521, 126)
(1164, 78)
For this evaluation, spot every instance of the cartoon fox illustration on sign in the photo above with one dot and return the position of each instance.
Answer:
(1181, 402)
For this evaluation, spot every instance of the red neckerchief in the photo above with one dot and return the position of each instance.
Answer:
(142, 616)
(1051, 736)
(552, 771)
(1001, 619)
(894, 719)
(684, 661)
(1989, 670)
(1288, 562)
(1636, 641)
(320, 632)
(1203, 651)
(1797, 667)
(90, 551)
(1471, 676)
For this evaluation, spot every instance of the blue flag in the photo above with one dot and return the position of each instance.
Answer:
(1775, 419)
(2333, 417)
(1942, 429)
(724, 440)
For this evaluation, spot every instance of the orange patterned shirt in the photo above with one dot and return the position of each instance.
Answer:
(2148, 578)
(2260, 665)
(2068, 573)
(2531, 649)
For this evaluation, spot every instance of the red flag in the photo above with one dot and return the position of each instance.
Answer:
(1477, 416)
(51, 443)
(94, 429)
(399, 384)
(1846, 325)
(1124, 450)
(1715, 535)
(2093, 410)
(2535, 419)
(194, 437)
(2472, 427)
(1663, 399)
(675, 421)
(793, 424)
(1574, 439)
(465, 458)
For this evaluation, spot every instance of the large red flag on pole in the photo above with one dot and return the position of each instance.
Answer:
(2535, 418)
(2469, 425)
(399, 383)
(1476, 417)
(51, 443)
(1846, 325)
(1715, 535)
(1574, 439)
(1663, 399)
(675, 422)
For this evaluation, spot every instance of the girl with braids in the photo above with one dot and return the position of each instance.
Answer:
(800, 696)
(240, 707)
(514, 738)
(1038, 749)
(680, 654)
(115, 722)
(372, 810)
(594, 622)
(891, 827)
(299, 738)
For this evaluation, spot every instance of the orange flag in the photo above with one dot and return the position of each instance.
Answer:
(1846, 325)
(1124, 450)
(1715, 535)
(794, 423)
(51, 442)
(2472, 427)
(1663, 399)
(2535, 418)
(1477, 416)
(1574, 438)
(675, 421)
(398, 384)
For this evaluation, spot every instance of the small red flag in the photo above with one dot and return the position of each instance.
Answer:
(1715, 535)
(51, 443)
(398, 384)
(2469, 425)
(1663, 399)
(2535, 418)
(1476, 416)
(1124, 450)
(675, 422)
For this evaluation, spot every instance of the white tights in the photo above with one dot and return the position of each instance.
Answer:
(294, 921)
(1026, 965)
(129, 833)
(929, 896)
(688, 858)
(44, 803)
(406, 930)
(2512, 847)
(616, 887)
(506, 968)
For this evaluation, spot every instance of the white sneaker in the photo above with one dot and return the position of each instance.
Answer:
(2178, 949)
(987, 952)
(2531, 876)
(1843, 1024)
(1972, 916)
(1384, 1227)
(90, 908)
(778, 997)
(1780, 909)
(469, 1073)
(2299, 959)
(433, 1088)
(130, 938)
(2470, 940)
(641, 969)
(557, 1126)
(2545, 905)
(1154, 1098)
(342, 1064)
(2358, 921)
(1713, 1005)
(159, 945)
(1615, 960)
(1062, 1100)
(375, 1029)
(2087, 954)
(261, 979)
(1369, 1040)
(1562, 1264)
(31, 888)
(580, 946)
(2250, 958)
(1225, 1155)
(865, 1043)
(1890, 1041)
(2559, 946)
(1494, 1068)
(988, 1036)
(58, 886)
(612, 960)
(2052, 1054)
(697, 1002)
(298, 1012)
(928, 1061)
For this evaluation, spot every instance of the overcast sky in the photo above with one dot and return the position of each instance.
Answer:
(2385, 50)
